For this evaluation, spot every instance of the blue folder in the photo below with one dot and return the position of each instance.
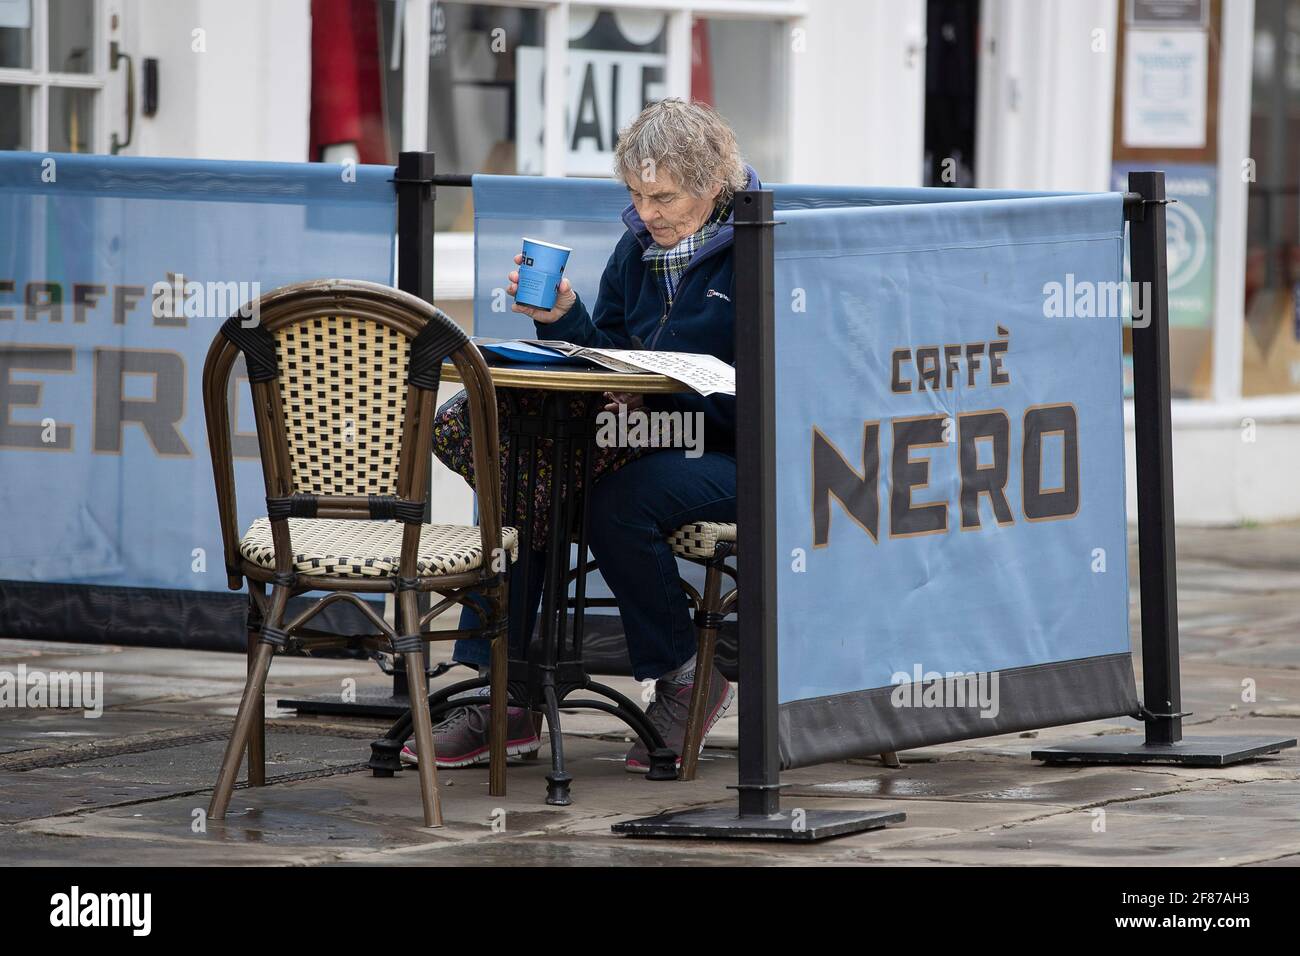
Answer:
(523, 352)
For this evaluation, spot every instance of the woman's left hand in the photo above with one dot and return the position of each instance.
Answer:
(632, 400)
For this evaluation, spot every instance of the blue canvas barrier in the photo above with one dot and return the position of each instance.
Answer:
(950, 484)
(115, 274)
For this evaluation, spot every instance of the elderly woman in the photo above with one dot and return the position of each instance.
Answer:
(667, 286)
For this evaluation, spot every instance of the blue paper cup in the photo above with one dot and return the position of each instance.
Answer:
(540, 273)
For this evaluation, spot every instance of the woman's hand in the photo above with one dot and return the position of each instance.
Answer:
(633, 400)
(563, 300)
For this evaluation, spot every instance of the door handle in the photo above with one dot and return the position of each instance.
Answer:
(116, 56)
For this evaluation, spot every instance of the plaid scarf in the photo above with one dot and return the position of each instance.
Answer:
(669, 264)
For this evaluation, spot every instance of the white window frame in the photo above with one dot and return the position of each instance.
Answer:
(417, 16)
(40, 80)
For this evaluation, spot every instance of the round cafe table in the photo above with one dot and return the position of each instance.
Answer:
(551, 669)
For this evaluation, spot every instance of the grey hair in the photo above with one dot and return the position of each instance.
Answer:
(690, 141)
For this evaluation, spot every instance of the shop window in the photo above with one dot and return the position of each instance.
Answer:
(740, 67)
(1271, 348)
(1165, 117)
(50, 97)
(15, 117)
(71, 36)
(481, 72)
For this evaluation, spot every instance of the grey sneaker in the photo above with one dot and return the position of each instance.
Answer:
(668, 713)
(461, 740)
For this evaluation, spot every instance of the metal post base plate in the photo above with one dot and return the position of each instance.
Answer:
(384, 707)
(1190, 751)
(724, 823)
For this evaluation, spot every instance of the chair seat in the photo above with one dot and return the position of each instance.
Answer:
(700, 539)
(351, 548)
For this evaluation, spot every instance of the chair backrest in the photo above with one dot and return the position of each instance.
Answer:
(344, 376)
(343, 389)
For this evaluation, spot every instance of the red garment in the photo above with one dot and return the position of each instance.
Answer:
(347, 103)
(701, 64)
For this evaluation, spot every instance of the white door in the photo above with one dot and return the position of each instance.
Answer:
(1046, 94)
(858, 93)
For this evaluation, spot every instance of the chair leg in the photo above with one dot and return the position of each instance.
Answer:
(257, 734)
(710, 604)
(498, 719)
(890, 759)
(428, 763)
(253, 692)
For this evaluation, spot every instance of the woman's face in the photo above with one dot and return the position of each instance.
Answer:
(668, 210)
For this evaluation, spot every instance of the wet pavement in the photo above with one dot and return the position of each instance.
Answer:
(130, 787)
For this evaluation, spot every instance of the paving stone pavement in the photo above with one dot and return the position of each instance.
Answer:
(128, 787)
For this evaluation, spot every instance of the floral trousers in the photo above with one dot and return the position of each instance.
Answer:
(452, 446)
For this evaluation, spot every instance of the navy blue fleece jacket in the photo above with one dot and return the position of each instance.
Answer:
(631, 303)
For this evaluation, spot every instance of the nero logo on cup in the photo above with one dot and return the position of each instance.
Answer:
(540, 273)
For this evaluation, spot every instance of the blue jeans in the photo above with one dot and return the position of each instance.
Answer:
(632, 509)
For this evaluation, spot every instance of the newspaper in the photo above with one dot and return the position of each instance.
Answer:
(705, 374)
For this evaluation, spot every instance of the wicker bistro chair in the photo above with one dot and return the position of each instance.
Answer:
(708, 543)
(344, 377)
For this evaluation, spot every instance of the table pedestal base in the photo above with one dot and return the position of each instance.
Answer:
(540, 689)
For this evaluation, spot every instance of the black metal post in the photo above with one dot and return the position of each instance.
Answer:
(758, 780)
(1153, 436)
(1144, 209)
(416, 196)
(759, 814)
